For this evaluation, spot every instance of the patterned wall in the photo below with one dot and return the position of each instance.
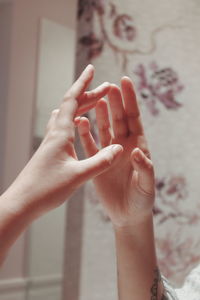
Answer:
(156, 43)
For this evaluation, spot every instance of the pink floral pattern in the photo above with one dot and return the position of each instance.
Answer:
(158, 85)
(171, 193)
(176, 251)
(123, 29)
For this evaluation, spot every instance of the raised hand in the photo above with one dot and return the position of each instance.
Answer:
(127, 188)
(54, 171)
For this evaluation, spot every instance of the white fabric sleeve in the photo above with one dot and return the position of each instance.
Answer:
(170, 293)
(189, 291)
(191, 287)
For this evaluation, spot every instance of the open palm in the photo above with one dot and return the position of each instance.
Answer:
(127, 188)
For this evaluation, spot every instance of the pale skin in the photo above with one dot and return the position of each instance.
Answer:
(124, 179)
(54, 172)
(127, 192)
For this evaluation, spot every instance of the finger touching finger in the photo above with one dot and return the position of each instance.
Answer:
(100, 162)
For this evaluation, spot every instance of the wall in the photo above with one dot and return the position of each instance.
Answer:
(20, 118)
(5, 35)
(156, 43)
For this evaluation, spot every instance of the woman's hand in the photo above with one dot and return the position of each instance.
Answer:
(127, 188)
(54, 171)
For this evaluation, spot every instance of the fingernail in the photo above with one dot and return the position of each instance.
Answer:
(89, 67)
(137, 155)
(116, 148)
(77, 121)
(106, 83)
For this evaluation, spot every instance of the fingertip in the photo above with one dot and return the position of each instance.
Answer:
(127, 80)
(89, 71)
(106, 84)
(114, 87)
(84, 121)
(117, 148)
(112, 152)
(140, 160)
(77, 121)
(101, 102)
(83, 125)
(137, 155)
(105, 87)
(90, 67)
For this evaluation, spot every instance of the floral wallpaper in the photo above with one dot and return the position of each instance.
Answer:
(156, 44)
(156, 85)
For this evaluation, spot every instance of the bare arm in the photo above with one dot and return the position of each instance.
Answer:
(138, 273)
(54, 172)
(127, 192)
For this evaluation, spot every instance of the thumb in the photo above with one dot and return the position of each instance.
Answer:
(144, 171)
(99, 162)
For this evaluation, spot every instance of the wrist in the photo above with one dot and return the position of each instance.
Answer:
(133, 226)
(138, 239)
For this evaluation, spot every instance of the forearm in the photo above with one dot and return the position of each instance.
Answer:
(138, 274)
(14, 219)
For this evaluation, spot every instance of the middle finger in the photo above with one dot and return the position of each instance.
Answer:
(119, 122)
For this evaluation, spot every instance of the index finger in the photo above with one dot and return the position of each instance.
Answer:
(70, 103)
(81, 84)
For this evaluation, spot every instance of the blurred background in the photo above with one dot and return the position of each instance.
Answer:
(44, 45)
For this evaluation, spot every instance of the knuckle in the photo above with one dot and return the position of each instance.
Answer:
(61, 136)
(68, 135)
(133, 115)
(104, 126)
(119, 118)
(53, 133)
(65, 124)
